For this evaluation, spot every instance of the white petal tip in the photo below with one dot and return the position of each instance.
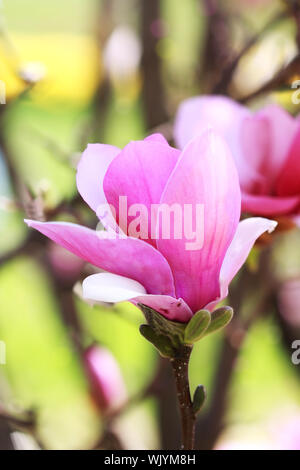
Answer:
(273, 226)
(110, 288)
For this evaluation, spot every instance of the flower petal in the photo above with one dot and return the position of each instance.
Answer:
(226, 117)
(247, 233)
(108, 386)
(107, 287)
(170, 307)
(269, 205)
(297, 220)
(111, 288)
(206, 177)
(255, 144)
(283, 128)
(140, 173)
(91, 170)
(127, 257)
(289, 180)
(157, 138)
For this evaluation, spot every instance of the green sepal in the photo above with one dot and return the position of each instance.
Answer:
(197, 326)
(162, 343)
(219, 319)
(199, 398)
(164, 327)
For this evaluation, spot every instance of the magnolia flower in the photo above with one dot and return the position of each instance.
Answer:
(170, 274)
(107, 385)
(265, 145)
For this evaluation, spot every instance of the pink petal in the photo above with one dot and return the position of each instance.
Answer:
(205, 174)
(219, 112)
(169, 307)
(255, 143)
(289, 180)
(106, 378)
(223, 115)
(107, 287)
(283, 128)
(91, 170)
(127, 257)
(140, 172)
(157, 138)
(248, 231)
(269, 205)
(297, 220)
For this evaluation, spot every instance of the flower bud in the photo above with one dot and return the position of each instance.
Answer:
(107, 385)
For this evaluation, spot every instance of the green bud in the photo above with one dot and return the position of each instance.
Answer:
(199, 398)
(197, 326)
(162, 343)
(219, 319)
(164, 327)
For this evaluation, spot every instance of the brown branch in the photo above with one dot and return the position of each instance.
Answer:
(180, 365)
(293, 7)
(217, 52)
(153, 93)
(281, 79)
(222, 86)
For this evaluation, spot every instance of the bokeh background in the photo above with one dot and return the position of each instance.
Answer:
(112, 71)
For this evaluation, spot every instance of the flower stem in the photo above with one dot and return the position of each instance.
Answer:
(180, 364)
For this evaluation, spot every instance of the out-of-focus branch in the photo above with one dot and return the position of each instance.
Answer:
(293, 7)
(5, 440)
(223, 84)
(101, 98)
(212, 422)
(153, 93)
(280, 80)
(25, 422)
(217, 50)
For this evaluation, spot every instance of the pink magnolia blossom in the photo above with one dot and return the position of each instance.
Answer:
(107, 385)
(159, 272)
(265, 145)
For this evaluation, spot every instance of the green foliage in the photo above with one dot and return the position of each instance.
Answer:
(199, 398)
(118, 330)
(41, 366)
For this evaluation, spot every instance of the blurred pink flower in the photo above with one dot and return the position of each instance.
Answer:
(161, 272)
(107, 385)
(265, 145)
(66, 266)
(287, 432)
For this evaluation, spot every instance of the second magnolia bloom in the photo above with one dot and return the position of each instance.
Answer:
(265, 145)
(156, 271)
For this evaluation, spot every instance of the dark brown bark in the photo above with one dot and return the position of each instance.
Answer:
(180, 366)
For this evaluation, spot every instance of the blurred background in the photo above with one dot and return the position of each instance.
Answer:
(75, 72)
